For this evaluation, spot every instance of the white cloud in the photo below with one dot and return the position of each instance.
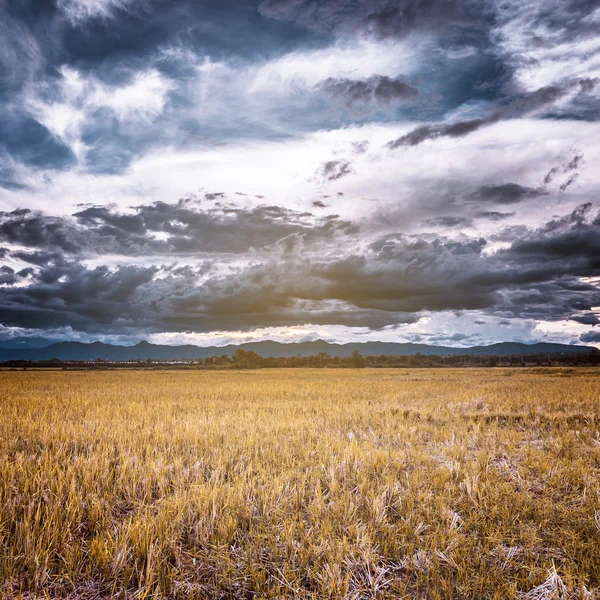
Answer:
(281, 95)
(68, 109)
(64, 121)
(434, 329)
(359, 60)
(386, 189)
(79, 10)
(460, 52)
(143, 99)
(465, 329)
(557, 58)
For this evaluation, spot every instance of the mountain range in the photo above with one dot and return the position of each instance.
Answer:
(144, 350)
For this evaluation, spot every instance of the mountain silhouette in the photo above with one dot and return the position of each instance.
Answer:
(144, 350)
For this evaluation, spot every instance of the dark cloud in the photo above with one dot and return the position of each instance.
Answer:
(270, 265)
(506, 193)
(401, 274)
(518, 107)
(71, 295)
(432, 132)
(572, 179)
(359, 148)
(492, 215)
(23, 227)
(569, 244)
(390, 281)
(549, 300)
(448, 221)
(7, 275)
(184, 227)
(39, 258)
(131, 298)
(536, 276)
(586, 319)
(573, 164)
(379, 19)
(334, 169)
(214, 195)
(550, 175)
(376, 90)
(590, 337)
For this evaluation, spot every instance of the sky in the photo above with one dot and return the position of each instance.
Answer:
(217, 171)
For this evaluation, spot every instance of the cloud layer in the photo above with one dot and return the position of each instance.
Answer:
(298, 276)
(342, 169)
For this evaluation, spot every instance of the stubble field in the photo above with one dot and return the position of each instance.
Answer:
(429, 484)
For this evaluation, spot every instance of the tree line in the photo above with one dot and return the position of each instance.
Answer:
(244, 359)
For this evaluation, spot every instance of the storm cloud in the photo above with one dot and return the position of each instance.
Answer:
(518, 107)
(591, 337)
(506, 193)
(390, 281)
(184, 227)
(401, 169)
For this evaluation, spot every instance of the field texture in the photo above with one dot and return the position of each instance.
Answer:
(300, 484)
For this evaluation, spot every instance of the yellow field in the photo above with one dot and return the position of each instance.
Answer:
(300, 484)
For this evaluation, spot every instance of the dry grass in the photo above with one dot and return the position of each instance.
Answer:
(300, 484)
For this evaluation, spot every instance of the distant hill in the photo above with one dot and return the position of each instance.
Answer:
(145, 350)
(26, 342)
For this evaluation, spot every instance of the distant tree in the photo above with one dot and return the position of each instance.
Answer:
(358, 360)
(239, 355)
(323, 359)
(246, 360)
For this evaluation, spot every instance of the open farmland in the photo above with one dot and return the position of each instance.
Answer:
(353, 483)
